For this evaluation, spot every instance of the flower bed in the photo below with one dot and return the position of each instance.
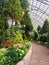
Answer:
(11, 56)
(26, 60)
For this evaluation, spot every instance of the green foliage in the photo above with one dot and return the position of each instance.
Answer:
(47, 38)
(10, 56)
(2, 24)
(7, 35)
(17, 38)
(15, 10)
(28, 25)
(2, 54)
(43, 37)
(47, 44)
(16, 33)
(45, 27)
(35, 35)
(28, 20)
(18, 25)
(31, 38)
(39, 29)
(43, 33)
(12, 31)
(6, 25)
(24, 4)
(11, 8)
(3, 29)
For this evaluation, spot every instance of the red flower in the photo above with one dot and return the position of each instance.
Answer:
(6, 43)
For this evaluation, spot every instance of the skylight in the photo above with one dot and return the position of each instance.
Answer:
(39, 11)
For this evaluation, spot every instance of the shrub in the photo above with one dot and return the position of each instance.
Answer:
(31, 36)
(18, 38)
(10, 56)
(2, 29)
(45, 27)
(35, 35)
(7, 35)
(24, 4)
(39, 28)
(39, 42)
(47, 38)
(46, 43)
(28, 31)
(43, 37)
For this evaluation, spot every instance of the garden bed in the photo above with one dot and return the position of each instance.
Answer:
(11, 56)
(26, 59)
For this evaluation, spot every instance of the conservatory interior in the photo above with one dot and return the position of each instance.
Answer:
(24, 32)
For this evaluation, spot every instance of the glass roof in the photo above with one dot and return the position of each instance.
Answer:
(39, 11)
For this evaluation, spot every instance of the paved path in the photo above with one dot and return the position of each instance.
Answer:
(40, 55)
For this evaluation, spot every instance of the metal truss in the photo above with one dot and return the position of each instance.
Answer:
(39, 11)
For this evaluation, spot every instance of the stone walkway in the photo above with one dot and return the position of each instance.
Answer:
(40, 55)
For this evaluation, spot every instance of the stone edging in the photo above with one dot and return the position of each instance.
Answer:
(27, 58)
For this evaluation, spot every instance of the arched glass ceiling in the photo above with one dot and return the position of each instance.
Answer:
(39, 11)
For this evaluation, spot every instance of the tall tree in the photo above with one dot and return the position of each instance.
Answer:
(39, 28)
(12, 8)
(27, 21)
(45, 27)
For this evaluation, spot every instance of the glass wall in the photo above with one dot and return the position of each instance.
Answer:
(39, 11)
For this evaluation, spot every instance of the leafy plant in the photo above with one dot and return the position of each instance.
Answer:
(43, 33)
(39, 29)
(18, 38)
(47, 38)
(45, 27)
(35, 35)
(10, 56)
(24, 4)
